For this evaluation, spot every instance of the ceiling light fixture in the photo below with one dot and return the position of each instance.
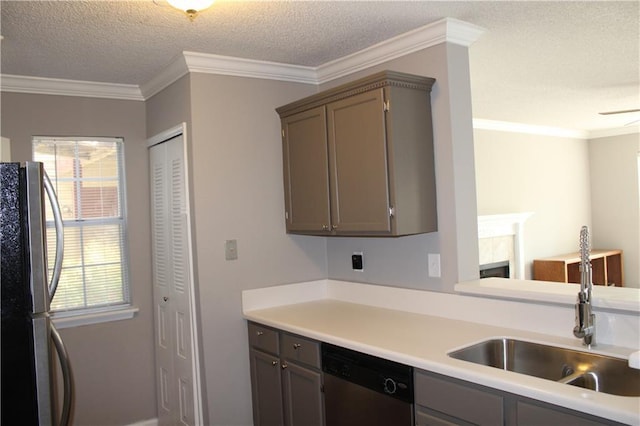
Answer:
(191, 7)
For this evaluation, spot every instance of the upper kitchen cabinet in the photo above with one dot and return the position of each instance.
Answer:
(358, 159)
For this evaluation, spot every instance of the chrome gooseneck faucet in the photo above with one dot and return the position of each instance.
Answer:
(585, 320)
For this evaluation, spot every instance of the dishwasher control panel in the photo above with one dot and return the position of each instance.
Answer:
(378, 374)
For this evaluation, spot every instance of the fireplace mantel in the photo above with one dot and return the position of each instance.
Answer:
(501, 225)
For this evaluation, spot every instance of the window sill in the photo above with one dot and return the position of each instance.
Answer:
(66, 320)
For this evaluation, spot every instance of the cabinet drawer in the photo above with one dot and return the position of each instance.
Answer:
(263, 338)
(462, 401)
(299, 349)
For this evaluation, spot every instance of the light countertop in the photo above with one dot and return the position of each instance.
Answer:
(604, 297)
(327, 312)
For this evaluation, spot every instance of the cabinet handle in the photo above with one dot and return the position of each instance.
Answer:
(259, 333)
(325, 227)
(334, 227)
(296, 345)
(284, 365)
(274, 363)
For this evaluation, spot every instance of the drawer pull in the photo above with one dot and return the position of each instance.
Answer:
(284, 365)
(274, 363)
(296, 345)
(259, 333)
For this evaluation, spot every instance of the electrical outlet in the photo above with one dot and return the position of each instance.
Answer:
(434, 265)
(357, 261)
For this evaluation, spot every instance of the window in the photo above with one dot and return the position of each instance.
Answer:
(88, 176)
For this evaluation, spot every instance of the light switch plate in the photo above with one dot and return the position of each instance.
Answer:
(231, 249)
(434, 265)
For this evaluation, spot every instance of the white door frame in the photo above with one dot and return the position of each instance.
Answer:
(181, 129)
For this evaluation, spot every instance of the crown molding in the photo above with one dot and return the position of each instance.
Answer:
(194, 62)
(461, 32)
(57, 86)
(507, 126)
(618, 131)
(227, 65)
(176, 69)
(445, 30)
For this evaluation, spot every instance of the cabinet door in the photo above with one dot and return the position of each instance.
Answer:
(358, 169)
(306, 179)
(443, 395)
(266, 387)
(303, 402)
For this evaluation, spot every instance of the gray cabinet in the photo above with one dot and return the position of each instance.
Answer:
(358, 159)
(440, 400)
(303, 399)
(444, 401)
(306, 165)
(531, 413)
(266, 386)
(286, 380)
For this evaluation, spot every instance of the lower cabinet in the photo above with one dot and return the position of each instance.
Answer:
(444, 401)
(286, 378)
(266, 387)
(529, 412)
(287, 389)
(440, 400)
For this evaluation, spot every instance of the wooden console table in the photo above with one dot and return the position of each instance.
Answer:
(606, 267)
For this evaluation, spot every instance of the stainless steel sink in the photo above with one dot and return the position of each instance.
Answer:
(583, 369)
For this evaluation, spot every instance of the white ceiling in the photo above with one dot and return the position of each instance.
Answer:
(545, 63)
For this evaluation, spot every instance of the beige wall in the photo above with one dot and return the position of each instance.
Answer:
(615, 199)
(403, 261)
(237, 193)
(112, 362)
(169, 108)
(548, 176)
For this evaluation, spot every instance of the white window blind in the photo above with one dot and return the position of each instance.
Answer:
(88, 176)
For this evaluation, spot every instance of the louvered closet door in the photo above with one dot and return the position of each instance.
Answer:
(174, 358)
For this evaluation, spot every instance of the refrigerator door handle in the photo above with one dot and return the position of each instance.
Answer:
(67, 377)
(57, 218)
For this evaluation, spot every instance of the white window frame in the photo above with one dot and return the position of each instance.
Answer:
(120, 311)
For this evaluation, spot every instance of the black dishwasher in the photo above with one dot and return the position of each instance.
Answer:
(361, 389)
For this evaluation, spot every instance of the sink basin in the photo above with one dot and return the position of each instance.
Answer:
(600, 373)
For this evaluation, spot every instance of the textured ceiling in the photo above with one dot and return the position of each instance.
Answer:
(543, 63)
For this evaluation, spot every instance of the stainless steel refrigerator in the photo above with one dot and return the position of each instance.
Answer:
(30, 343)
